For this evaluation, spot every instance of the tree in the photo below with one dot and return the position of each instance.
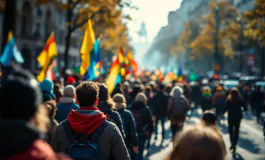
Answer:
(102, 12)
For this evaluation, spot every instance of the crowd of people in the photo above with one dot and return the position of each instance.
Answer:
(82, 120)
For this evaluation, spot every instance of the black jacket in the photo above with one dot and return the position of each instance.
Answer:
(113, 115)
(159, 104)
(146, 116)
(235, 110)
(129, 127)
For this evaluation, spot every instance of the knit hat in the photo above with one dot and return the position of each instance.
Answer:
(69, 91)
(20, 94)
(120, 101)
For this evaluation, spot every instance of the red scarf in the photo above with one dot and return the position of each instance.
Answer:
(86, 123)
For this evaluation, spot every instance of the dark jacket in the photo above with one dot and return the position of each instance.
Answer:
(235, 110)
(146, 116)
(19, 140)
(206, 103)
(113, 115)
(64, 107)
(129, 127)
(110, 142)
(159, 104)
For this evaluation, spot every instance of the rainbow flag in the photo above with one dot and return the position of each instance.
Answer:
(47, 56)
(11, 51)
(114, 76)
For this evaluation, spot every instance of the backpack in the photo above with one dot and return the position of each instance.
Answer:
(179, 108)
(138, 120)
(86, 149)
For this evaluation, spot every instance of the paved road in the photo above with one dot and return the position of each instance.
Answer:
(251, 144)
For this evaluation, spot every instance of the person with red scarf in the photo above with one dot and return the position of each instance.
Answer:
(86, 120)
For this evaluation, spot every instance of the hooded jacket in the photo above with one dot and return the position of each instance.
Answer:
(146, 116)
(19, 140)
(64, 107)
(87, 120)
(113, 115)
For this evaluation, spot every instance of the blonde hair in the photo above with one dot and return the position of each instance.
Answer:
(141, 97)
(198, 142)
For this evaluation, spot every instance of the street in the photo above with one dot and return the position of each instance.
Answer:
(251, 144)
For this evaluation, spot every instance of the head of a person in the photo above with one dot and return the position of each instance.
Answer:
(87, 94)
(141, 97)
(51, 108)
(161, 87)
(198, 142)
(120, 101)
(176, 92)
(209, 118)
(69, 91)
(234, 95)
(207, 91)
(25, 105)
(219, 88)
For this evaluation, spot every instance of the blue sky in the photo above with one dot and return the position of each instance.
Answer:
(153, 12)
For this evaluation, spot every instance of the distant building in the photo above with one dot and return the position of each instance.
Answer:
(33, 27)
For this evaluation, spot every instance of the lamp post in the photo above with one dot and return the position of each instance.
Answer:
(238, 19)
(216, 54)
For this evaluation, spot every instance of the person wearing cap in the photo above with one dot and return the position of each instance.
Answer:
(66, 103)
(129, 125)
(46, 87)
(22, 119)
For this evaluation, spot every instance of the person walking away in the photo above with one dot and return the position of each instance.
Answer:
(58, 91)
(206, 102)
(143, 118)
(129, 125)
(234, 105)
(66, 103)
(178, 106)
(200, 143)
(107, 106)
(46, 87)
(258, 100)
(51, 110)
(218, 101)
(22, 119)
(159, 105)
(87, 126)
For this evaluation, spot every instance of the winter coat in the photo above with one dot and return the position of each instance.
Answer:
(206, 103)
(129, 127)
(20, 139)
(110, 142)
(235, 110)
(159, 104)
(113, 115)
(146, 117)
(64, 107)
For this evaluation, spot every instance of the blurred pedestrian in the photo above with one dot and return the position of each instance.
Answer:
(159, 105)
(67, 103)
(178, 106)
(143, 118)
(206, 102)
(107, 106)
(198, 143)
(129, 125)
(233, 105)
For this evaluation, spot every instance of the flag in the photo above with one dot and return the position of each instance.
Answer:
(133, 66)
(11, 51)
(114, 76)
(47, 56)
(87, 47)
(192, 75)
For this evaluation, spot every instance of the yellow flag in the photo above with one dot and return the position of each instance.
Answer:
(87, 47)
(47, 55)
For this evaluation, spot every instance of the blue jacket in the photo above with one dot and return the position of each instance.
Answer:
(64, 107)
